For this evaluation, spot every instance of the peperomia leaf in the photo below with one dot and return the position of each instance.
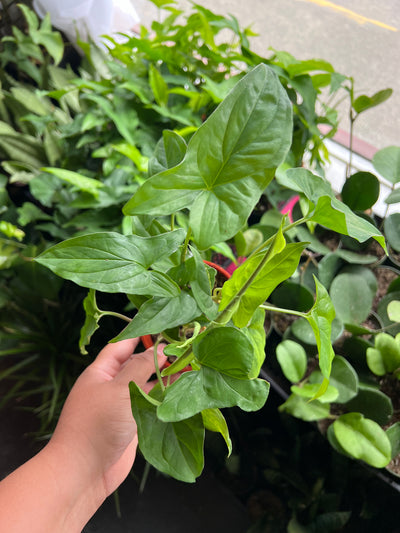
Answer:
(175, 448)
(292, 359)
(214, 420)
(227, 350)
(384, 357)
(329, 211)
(159, 314)
(393, 434)
(275, 271)
(304, 409)
(111, 262)
(387, 163)
(352, 297)
(209, 389)
(229, 161)
(363, 439)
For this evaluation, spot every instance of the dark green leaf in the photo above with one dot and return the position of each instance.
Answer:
(364, 102)
(175, 448)
(393, 434)
(392, 230)
(169, 152)
(209, 389)
(352, 297)
(304, 409)
(158, 314)
(91, 324)
(111, 262)
(360, 191)
(229, 161)
(227, 350)
(372, 403)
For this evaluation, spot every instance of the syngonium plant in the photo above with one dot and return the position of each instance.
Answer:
(197, 196)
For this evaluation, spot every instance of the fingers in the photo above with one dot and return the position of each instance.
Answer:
(113, 356)
(141, 366)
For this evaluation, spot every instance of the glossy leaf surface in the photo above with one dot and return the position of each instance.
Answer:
(228, 163)
(208, 389)
(174, 448)
(111, 262)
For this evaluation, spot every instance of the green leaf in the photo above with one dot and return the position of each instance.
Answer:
(352, 297)
(227, 350)
(363, 439)
(158, 86)
(361, 191)
(174, 448)
(384, 358)
(311, 390)
(364, 102)
(11, 231)
(393, 434)
(387, 163)
(344, 378)
(91, 324)
(209, 389)
(320, 318)
(292, 359)
(372, 403)
(214, 420)
(329, 211)
(229, 161)
(110, 262)
(158, 314)
(202, 285)
(304, 409)
(169, 152)
(393, 197)
(277, 269)
(393, 311)
(256, 333)
(392, 230)
(83, 183)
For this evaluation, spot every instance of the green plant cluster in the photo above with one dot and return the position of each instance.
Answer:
(144, 161)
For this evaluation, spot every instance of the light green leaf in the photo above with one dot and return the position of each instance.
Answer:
(79, 181)
(384, 358)
(329, 211)
(175, 448)
(280, 267)
(363, 439)
(202, 285)
(310, 390)
(320, 318)
(387, 163)
(214, 420)
(209, 389)
(110, 262)
(159, 314)
(158, 86)
(229, 161)
(91, 324)
(364, 102)
(393, 311)
(304, 409)
(292, 359)
(256, 333)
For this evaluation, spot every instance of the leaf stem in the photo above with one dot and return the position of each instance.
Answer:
(281, 310)
(186, 244)
(158, 373)
(118, 315)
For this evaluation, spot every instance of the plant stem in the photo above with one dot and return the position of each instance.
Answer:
(186, 244)
(157, 366)
(281, 310)
(118, 315)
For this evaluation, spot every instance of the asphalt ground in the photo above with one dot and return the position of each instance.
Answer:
(361, 38)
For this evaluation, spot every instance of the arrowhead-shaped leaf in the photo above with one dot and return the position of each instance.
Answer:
(111, 262)
(208, 389)
(228, 163)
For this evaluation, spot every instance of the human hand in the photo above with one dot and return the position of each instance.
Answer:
(96, 422)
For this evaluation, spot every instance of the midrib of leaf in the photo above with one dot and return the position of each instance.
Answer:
(225, 161)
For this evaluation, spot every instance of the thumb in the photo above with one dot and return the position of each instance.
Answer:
(140, 367)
